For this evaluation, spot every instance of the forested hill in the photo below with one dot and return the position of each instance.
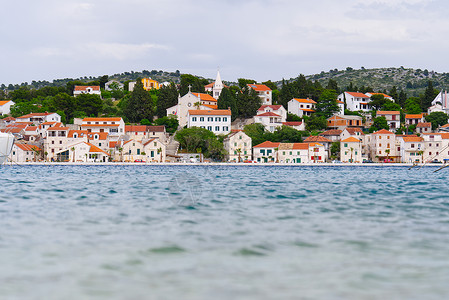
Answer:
(413, 81)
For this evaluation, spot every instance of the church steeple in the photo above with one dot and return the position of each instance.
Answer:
(218, 86)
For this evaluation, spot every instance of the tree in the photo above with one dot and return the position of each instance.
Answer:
(248, 102)
(378, 124)
(335, 150)
(316, 123)
(227, 100)
(402, 98)
(103, 80)
(244, 82)
(429, 95)
(196, 84)
(140, 104)
(171, 123)
(73, 150)
(90, 104)
(256, 132)
(412, 105)
(168, 97)
(327, 104)
(284, 134)
(377, 101)
(437, 119)
(200, 140)
(65, 103)
(293, 118)
(333, 85)
(394, 93)
(390, 106)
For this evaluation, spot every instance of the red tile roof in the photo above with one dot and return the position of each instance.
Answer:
(331, 132)
(386, 112)
(205, 97)
(135, 128)
(210, 106)
(317, 138)
(217, 112)
(292, 123)
(305, 100)
(267, 144)
(84, 87)
(3, 102)
(351, 139)
(274, 107)
(358, 95)
(424, 124)
(383, 131)
(259, 87)
(156, 128)
(26, 147)
(81, 133)
(415, 116)
(102, 119)
(410, 139)
(268, 114)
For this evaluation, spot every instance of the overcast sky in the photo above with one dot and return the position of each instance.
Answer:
(262, 40)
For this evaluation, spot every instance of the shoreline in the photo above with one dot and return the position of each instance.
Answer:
(223, 164)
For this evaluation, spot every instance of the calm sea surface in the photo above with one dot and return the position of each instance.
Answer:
(223, 232)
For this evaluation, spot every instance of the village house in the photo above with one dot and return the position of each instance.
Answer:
(317, 153)
(355, 101)
(266, 152)
(332, 134)
(157, 132)
(322, 141)
(414, 119)
(342, 121)
(218, 121)
(25, 153)
(113, 84)
(39, 118)
(436, 147)
(84, 89)
(238, 147)
(271, 116)
(82, 152)
(197, 101)
(383, 146)
(133, 150)
(55, 141)
(114, 126)
(5, 107)
(351, 150)
(423, 127)
(341, 108)
(148, 84)
(411, 149)
(294, 153)
(295, 125)
(263, 92)
(136, 132)
(393, 118)
(301, 107)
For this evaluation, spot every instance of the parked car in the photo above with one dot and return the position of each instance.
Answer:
(336, 162)
(436, 161)
(368, 161)
(139, 160)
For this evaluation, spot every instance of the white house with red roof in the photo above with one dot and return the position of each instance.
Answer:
(112, 125)
(317, 153)
(424, 127)
(301, 107)
(81, 152)
(266, 152)
(136, 132)
(238, 146)
(411, 119)
(263, 92)
(295, 125)
(218, 121)
(84, 89)
(271, 116)
(355, 101)
(39, 118)
(152, 150)
(411, 147)
(293, 153)
(351, 150)
(25, 153)
(5, 107)
(191, 101)
(393, 118)
(382, 146)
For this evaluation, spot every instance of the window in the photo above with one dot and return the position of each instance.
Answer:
(346, 145)
(152, 153)
(380, 145)
(262, 151)
(269, 151)
(225, 128)
(210, 119)
(193, 119)
(388, 145)
(430, 153)
(283, 152)
(138, 151)
(225, 119)
(209, 128)
(155, 144)
(60, 142)
(412, 146)
(235, 144)
(201, 119)
(430, 144)
(217, 119)
(217, 128)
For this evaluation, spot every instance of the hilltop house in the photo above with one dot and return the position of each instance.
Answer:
(355, 101)
(271, 116)
(263, 92)
(301, 107)
(83, 89)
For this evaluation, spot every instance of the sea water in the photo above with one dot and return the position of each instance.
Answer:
(223, 232)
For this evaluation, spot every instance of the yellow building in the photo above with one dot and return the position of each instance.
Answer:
(149, 84)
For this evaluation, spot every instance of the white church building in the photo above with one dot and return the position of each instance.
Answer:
(196, 101)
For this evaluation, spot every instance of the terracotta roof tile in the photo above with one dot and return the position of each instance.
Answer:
(267, 144)
(217, 112)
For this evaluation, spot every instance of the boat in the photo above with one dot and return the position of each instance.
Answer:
(6, 143)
